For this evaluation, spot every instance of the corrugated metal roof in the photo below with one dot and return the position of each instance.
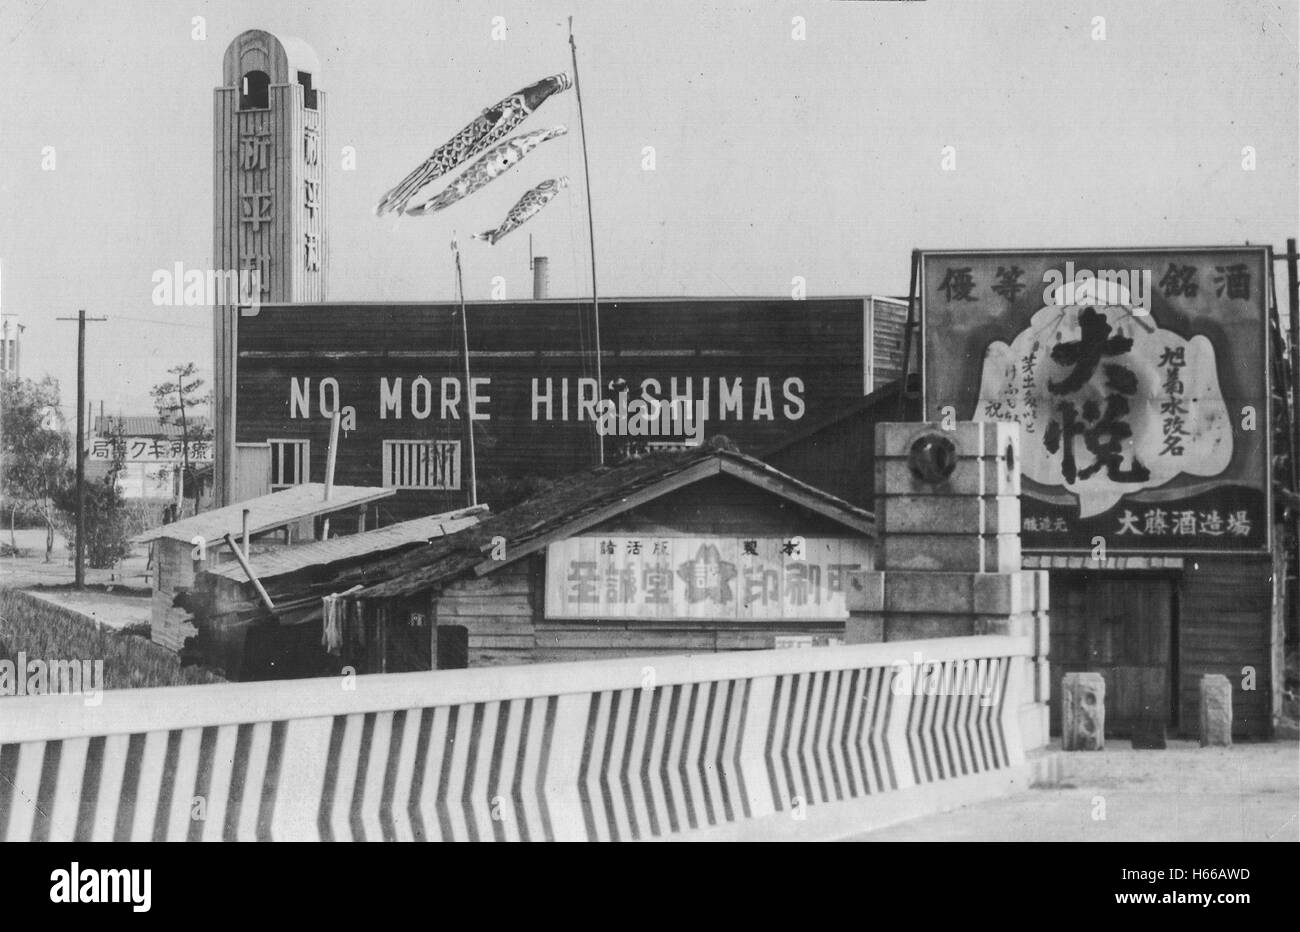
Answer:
(290, 559)
(268, 512)
(143, 425)
(594, 494)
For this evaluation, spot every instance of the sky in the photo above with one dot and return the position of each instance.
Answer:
(774, 155)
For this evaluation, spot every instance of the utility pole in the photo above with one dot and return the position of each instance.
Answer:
(81, 319)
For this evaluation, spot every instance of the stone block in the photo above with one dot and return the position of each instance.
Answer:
(1005, 593)
(1216, 711)
(1042, 680)
(1042, 634)
(986, 439)
(866, 591)
(921, 591)
(1035, 721)
(1042, 589)
(901, 626)
(864, 628)
(971, 476)
(972, 554)
(1020, 625)
(1083, 712)
(929, 514)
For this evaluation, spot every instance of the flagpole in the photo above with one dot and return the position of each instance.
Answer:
(591, 234)
(464, 342)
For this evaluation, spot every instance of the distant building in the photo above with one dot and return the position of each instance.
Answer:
(154, 456)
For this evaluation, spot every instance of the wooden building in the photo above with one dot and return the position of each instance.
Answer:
(700, 551)
(754, 369)
(1153, 625)
(236, 633)
(153, 454)
(182, 549)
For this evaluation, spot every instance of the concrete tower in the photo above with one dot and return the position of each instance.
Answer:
(268, 203)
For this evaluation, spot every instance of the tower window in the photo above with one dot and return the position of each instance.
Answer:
(308, 94)
(254, 94)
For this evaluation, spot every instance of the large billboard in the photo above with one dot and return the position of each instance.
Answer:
(1139, 379)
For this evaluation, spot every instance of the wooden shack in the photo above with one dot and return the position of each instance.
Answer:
(704, 550)
(182, 548)
(238, 635)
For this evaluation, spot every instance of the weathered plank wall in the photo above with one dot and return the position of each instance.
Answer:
(819, 343)
(1226, 621)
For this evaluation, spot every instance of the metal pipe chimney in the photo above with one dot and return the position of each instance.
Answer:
(541, 277)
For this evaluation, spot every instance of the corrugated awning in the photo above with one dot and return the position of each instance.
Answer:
(290, 559)
(267, 512)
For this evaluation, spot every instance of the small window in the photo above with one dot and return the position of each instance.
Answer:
(422, 464)
(254, 92)
(290, 463)
(308, 94)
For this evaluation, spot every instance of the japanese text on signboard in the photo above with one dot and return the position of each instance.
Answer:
(702, 578)
(1138, 380)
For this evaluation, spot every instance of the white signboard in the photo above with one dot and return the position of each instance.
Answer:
(151, 450)
(702, 578)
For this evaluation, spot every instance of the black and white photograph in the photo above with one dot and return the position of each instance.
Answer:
(719, 421)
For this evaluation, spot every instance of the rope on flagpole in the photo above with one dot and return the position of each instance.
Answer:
(591, 236)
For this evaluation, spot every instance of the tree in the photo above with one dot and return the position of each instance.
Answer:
(175, 402)
(107, 538)
(33, 451)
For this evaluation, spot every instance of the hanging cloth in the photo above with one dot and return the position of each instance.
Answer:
(334, 611)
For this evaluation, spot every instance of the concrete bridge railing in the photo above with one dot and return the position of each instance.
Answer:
(817, 743)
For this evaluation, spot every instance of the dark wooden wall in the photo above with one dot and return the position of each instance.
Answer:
(721, 505)
(839, 455)
(1225, 622)
(504, 611)
(1216, 616)
(817, 341)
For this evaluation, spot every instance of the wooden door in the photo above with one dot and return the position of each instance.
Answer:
(408, 638)
(1121, 626)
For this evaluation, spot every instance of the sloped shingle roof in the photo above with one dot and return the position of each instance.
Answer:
(588, 498)
(144, 425)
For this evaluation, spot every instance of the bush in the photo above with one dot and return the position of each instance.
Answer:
(107, 525)
(21, 514)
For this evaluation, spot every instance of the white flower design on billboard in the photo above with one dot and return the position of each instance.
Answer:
(1119, 404)
(1139, 379)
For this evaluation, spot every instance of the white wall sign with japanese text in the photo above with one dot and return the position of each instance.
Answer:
(702, 578)
(150, 450)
